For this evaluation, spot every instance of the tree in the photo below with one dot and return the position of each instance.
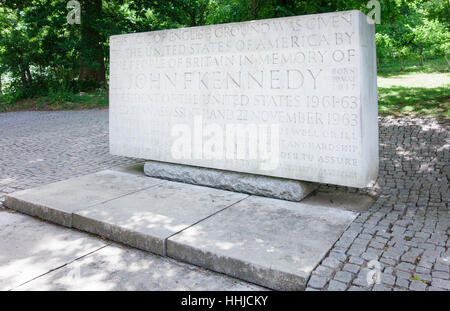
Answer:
(172, 14)
(439, 40)
(438, 10)
(92, 56)
(40, 50)
(17, 49)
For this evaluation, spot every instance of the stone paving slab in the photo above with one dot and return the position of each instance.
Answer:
(43, 256)
(145, 219)
(342, 200)
(135, 169)
(269, 242)
(55, 202)
(30, 248)
(116, 267)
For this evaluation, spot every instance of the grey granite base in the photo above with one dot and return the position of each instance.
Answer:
(278, 188)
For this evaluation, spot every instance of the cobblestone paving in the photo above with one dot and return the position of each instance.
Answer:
(38, 148)
(405, 234)
(406, 230)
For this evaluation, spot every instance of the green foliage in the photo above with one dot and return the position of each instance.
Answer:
(56, 100)
(59, 96)
(42, 56)
(438, 10)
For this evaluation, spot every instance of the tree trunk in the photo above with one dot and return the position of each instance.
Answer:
(24, 79)
(28, 73)
(193, 19)
(288, 4)
(254, 8)
(446, 59)
(92, 62)
(1, 84)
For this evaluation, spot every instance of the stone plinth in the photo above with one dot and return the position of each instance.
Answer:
(272, 187)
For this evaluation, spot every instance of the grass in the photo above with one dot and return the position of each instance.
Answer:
(386, 69)
(54, 102)
(416, 278)
(415, 94)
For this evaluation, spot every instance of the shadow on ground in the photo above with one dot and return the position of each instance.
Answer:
(400, 101)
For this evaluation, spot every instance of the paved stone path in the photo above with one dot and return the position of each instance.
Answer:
(406, 231)
(42, 147)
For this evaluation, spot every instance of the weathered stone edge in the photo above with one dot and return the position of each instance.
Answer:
(263, 276)
(41, 211)
(253, 273)
(272, 187)
(119, 234)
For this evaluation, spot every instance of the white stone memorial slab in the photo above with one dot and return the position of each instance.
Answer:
(292, 97)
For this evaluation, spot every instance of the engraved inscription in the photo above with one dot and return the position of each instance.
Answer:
(300, 75)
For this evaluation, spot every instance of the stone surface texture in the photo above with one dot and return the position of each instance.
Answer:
(291, 97)
(57, 202)
(407, 229)
(42, 256)
(31, 248)
(145, 219)
(411, 213)
(272, 187)
(269, 242)
(120, 268)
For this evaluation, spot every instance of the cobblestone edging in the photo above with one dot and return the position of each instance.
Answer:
(406, 231)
